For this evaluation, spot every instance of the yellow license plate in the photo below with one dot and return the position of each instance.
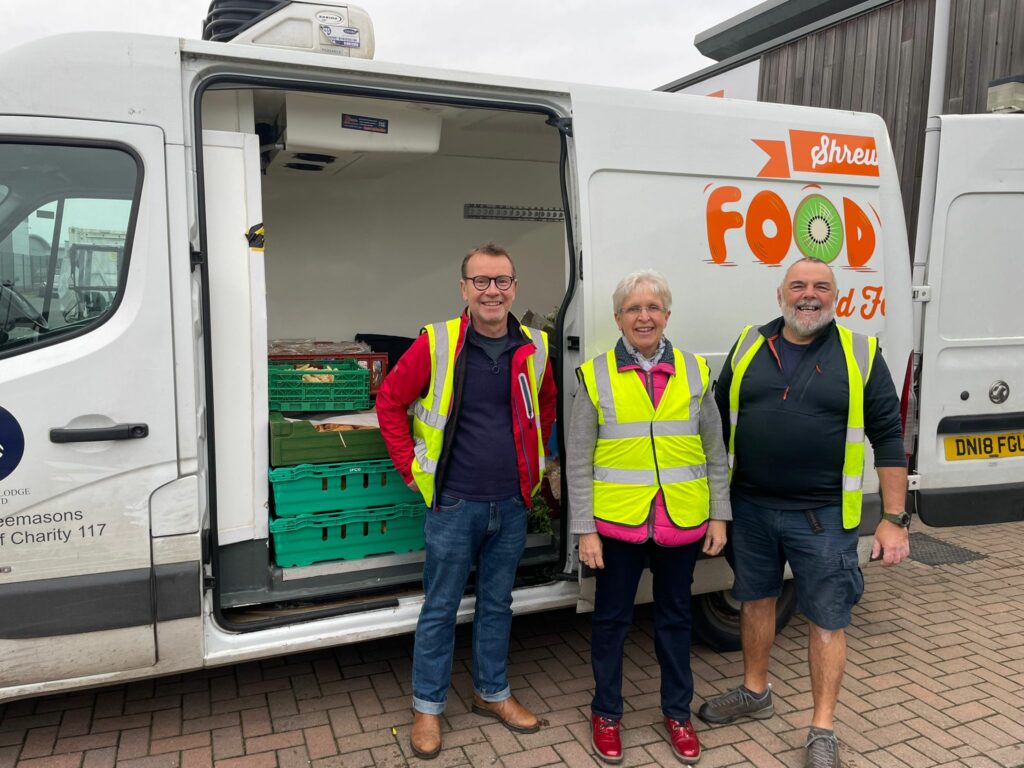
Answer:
(997, 446)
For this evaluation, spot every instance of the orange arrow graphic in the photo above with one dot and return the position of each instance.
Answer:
(778, 164)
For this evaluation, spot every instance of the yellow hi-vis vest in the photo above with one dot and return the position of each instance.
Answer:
(859, 351)
(641, 449)
(430, 413)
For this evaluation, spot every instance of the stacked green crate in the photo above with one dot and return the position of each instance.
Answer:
(343, 511)
(324, 385)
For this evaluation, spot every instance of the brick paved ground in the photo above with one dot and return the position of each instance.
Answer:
(936, 677)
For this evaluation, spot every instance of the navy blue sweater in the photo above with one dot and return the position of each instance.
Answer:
(791, 434)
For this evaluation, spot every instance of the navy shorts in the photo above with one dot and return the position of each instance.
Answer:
(828, 578)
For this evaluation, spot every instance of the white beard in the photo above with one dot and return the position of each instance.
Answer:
(806, 329)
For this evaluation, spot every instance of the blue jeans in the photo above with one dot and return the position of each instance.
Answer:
(459, 535)
(672, 568)
(825, 566)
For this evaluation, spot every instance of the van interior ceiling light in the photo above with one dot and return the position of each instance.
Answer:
(324, 27)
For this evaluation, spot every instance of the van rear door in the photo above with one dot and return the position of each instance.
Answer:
(971, 442)
(87, 423)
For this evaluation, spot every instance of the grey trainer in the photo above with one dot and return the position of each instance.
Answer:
(735, 704)
(822, 749)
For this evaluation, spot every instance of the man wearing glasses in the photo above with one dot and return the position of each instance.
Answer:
(483, 400)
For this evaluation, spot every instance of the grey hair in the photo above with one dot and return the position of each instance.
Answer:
(810, 260)
(647, 277)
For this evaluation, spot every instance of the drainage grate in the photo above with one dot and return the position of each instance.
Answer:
(931, 551)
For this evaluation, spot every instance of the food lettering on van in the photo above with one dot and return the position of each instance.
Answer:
(771, 229)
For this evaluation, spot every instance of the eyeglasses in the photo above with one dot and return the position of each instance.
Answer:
(482, 283)
(636, 309)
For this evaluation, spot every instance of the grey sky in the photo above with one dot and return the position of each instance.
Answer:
(640, 43)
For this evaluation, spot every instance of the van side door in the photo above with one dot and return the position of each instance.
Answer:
(87, 401)
(971, 442)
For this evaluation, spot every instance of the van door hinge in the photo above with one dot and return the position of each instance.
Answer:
(197, 258)
(209, 583)
(921, 293)
(563, 124)
(913, 482)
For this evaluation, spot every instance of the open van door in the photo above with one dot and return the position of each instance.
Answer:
(971, 442)
(87, 423)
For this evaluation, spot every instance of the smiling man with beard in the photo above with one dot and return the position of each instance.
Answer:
(797, 397)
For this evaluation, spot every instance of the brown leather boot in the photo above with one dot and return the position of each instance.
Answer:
(510, 712)
(425, 737)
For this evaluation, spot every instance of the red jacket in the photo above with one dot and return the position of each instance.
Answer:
(409, 380)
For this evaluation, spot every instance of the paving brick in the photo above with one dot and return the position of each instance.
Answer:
(69, 760)
(362, 759)
(39, 742)
(227, 743)
(274, 742)
(100, 758)
(152, 704)
(75, 722)
(134, 743)
(31, 721)
(263, 760)
(9, 755)
(256, 722)
(179, 743)
(170, 760)
(84, 743)
(201, 757)
(227, 720)
(292, 757)
(166, 723)
(320, 742)
(121, 723)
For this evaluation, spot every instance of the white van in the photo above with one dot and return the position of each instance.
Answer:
(134, 499)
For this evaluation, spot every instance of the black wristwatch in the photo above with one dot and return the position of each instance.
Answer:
(902, 519)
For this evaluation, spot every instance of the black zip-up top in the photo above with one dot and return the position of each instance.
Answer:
(791, 434)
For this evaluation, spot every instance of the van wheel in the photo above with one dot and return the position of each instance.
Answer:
(716, 617)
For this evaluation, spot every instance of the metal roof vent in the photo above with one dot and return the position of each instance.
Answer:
(323, 27)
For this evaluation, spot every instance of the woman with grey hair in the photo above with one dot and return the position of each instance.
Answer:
(648, 481)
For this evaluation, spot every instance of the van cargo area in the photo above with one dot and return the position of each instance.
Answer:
(368, 206)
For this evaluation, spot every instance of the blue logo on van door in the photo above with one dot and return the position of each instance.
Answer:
(12, 443)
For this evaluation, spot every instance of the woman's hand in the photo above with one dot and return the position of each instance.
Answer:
(714, 540)
(591, 552)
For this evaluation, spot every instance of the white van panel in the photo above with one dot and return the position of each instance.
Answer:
(654, 204)
(238, 332)
(971, 440)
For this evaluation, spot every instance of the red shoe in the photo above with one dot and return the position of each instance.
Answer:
(685, 743)
(605, 737)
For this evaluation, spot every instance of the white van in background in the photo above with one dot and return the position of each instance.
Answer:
(134, 502)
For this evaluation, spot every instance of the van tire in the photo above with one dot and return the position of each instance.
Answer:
(716, 617)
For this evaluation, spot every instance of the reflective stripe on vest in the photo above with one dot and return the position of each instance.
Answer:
(641, 449)
(431, 412)
(859, 352)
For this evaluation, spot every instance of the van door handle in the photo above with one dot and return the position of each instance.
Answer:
(116, 432)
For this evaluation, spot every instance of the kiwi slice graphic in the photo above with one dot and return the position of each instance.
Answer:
(817, 229)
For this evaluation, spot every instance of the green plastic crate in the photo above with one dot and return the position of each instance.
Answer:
(310, 488)
(297, 442)
(349, 391)
(309, 539)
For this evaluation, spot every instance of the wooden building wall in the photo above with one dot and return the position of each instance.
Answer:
(876, 62)
(986, 42)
